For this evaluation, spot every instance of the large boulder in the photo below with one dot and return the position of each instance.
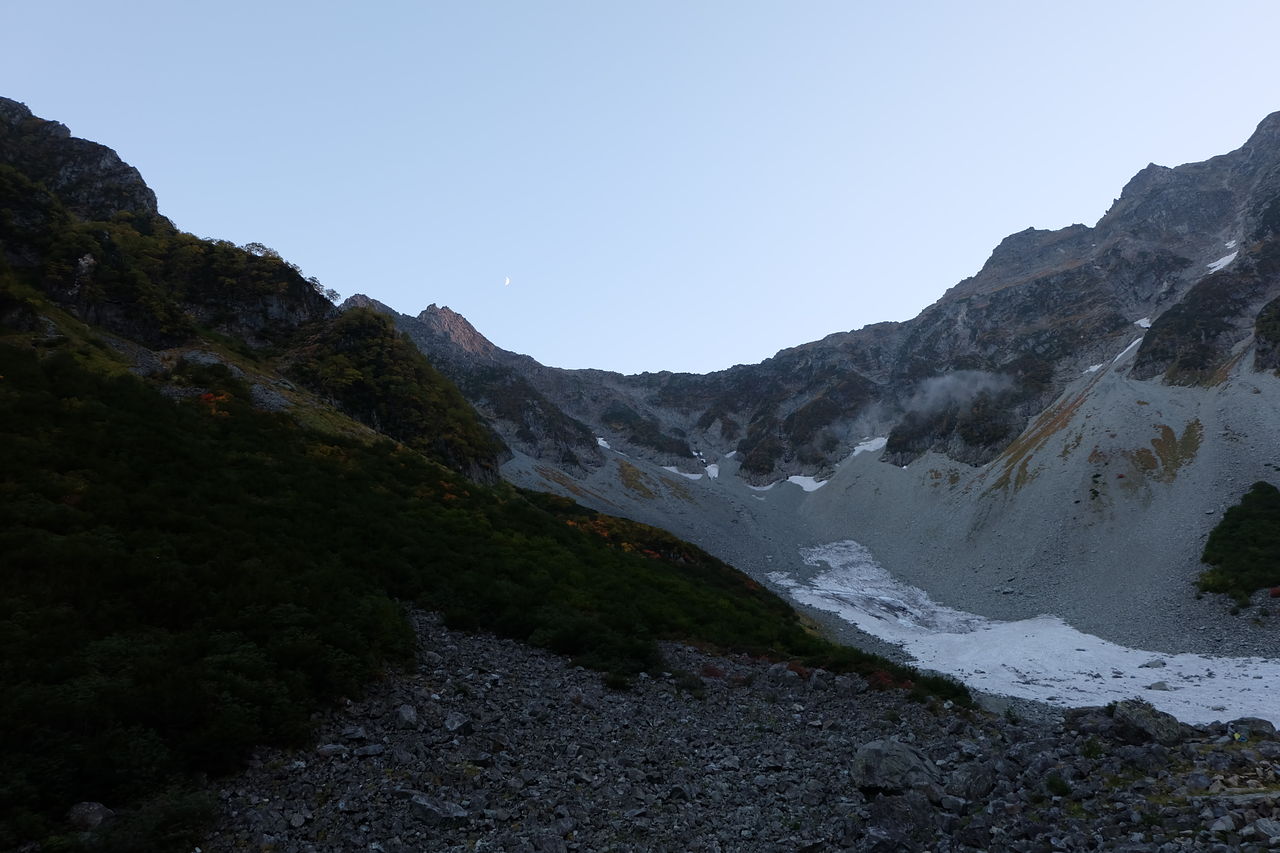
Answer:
(1139, 722)
(890, 765)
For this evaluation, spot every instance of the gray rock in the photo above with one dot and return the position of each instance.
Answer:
(1253, 727)
(370, 750)
(1142, 723)
(88, 815)
(1267, 827)
(1158, 685)
(972, 782)
(1226, 823)
(435, 810)
(891, 765)
(458, 724)
(1198, 782)
(407, 716)
(329, 750)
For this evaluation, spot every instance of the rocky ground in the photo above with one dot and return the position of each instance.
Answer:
(492, 745)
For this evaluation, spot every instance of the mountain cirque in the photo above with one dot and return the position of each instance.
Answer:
(1061, 430)
(1056, 434)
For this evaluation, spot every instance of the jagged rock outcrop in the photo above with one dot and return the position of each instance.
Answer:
(495, 382)
(91, 179)
(135, 274)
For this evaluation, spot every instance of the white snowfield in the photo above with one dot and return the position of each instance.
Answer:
(809, 484)
(713, 471)
(871, 445)
(600, 441)
(1041, 658)
(1222, 262)
(1144, 323)
(674, 470)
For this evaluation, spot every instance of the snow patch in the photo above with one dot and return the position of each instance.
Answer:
(1144, 323)
(674, 470)
(762, 488)
(809, 484)
(1094, 368)
(732, 454)
(871, 445)
(1222, 262)
(713, 471)
(600, 441)
(1231, 244)
(1042, 658)
(1126, 350)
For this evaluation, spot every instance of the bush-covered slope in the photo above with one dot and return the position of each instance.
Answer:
(376, 375)
(1244, 549)
(184, 576)
(185, 579)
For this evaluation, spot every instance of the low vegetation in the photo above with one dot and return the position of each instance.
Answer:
(1244, 549)
(187, 579)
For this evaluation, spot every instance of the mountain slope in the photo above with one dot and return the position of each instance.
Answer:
(1056, 434)
(221, 494)
(1189, 250)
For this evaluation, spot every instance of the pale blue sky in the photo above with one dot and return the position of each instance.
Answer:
(670, 184)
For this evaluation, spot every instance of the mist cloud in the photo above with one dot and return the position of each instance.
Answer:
(955, 389)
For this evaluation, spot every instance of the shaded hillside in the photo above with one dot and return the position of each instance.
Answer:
(493, 381)
(199, 553)
(359, 361)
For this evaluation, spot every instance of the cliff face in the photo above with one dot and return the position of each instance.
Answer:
(84, 224)
(90, 179)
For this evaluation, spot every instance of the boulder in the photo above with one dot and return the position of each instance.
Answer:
(1139, 722)
(87, 816)
(1253, 727)
(889, 765)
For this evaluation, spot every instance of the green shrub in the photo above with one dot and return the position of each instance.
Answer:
(1244, 549)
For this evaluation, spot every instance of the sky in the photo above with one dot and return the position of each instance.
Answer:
(668, 185)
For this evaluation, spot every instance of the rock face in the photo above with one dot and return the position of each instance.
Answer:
(90, 178)
(497, 383)
(137, 276)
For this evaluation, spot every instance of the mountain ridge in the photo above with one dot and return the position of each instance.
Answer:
(1045, 305)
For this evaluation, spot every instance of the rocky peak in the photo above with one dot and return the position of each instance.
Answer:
(450, 324)
(1265, 140)
(1024, 255)
(359, 300)
(90, 179)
